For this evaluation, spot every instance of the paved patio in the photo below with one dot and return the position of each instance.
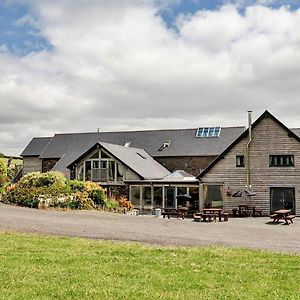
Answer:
(248, 232)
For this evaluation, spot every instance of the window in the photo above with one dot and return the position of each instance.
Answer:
(165, 144)
(95, 155)
(135, 194)
(213, 196)
(158, 196)
(240, 161)
(281, 161)
(208, 132)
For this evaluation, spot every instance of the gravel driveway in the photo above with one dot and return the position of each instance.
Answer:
(249, 232)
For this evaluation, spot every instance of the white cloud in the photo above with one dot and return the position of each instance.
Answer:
(116, 65)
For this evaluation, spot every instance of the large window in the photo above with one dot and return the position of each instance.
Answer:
(281, 160)
(100, 167)
(213, 196)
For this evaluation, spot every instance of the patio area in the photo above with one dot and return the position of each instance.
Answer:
(255, 233)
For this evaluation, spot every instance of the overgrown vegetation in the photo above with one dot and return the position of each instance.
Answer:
(3, 175)
(36, 267)
(9, 167)
(52, 189)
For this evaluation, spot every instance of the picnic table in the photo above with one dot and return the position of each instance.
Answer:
(179, 213)
(212, 213)
(246, 211)
(282, 214)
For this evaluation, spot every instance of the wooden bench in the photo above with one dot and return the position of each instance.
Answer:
(225, 216)
(235, 212)
(209, 217)
(197, 217)
(290, 218)
(273, 216)
(257, 213)
(169, 214)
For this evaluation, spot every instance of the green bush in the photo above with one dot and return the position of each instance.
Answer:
(52, 189)
(49, 179)
(112, 204)
(3, 175)
(98, 197)
(75, 185)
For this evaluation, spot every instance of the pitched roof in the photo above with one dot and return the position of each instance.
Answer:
(138, 160)
(180, 175)
(293, 133)
(36, 146)
(183, 142)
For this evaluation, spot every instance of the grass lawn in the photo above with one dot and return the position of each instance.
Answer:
(41, 267)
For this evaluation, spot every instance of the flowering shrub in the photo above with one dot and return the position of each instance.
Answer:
(42, 190)
(75, 185)
(112, 204)
(49, 179)
(125, 203)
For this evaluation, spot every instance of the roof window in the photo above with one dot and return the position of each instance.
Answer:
(127, 144)
(208, 132)
(166, 144)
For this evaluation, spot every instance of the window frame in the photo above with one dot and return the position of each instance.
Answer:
(238, 161)
(281, 160)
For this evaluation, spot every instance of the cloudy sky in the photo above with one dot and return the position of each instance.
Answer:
(76, 65)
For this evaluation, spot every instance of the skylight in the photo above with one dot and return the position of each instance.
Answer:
(208, 132)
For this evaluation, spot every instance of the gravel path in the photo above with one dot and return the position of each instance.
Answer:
(249, 232)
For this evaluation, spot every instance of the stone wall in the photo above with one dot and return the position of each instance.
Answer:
(190, 164)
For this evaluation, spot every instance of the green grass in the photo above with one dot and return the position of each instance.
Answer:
(43, 267)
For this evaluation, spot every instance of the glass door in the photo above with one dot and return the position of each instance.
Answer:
(146, 198)
(169, 197)
(282, 198)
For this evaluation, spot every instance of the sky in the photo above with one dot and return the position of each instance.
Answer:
(79, 65)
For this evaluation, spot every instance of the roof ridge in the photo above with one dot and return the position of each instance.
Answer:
(145, 130)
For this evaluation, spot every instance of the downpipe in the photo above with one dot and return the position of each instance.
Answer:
(248, 175)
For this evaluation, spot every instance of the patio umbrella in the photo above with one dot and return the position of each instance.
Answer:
(244, 194)
(184, 197)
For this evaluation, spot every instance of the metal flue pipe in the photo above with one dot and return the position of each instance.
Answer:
(248, 177)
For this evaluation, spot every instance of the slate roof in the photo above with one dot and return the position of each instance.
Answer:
(138, 160)
(36, 146)
(183, 142)
(296, 131)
